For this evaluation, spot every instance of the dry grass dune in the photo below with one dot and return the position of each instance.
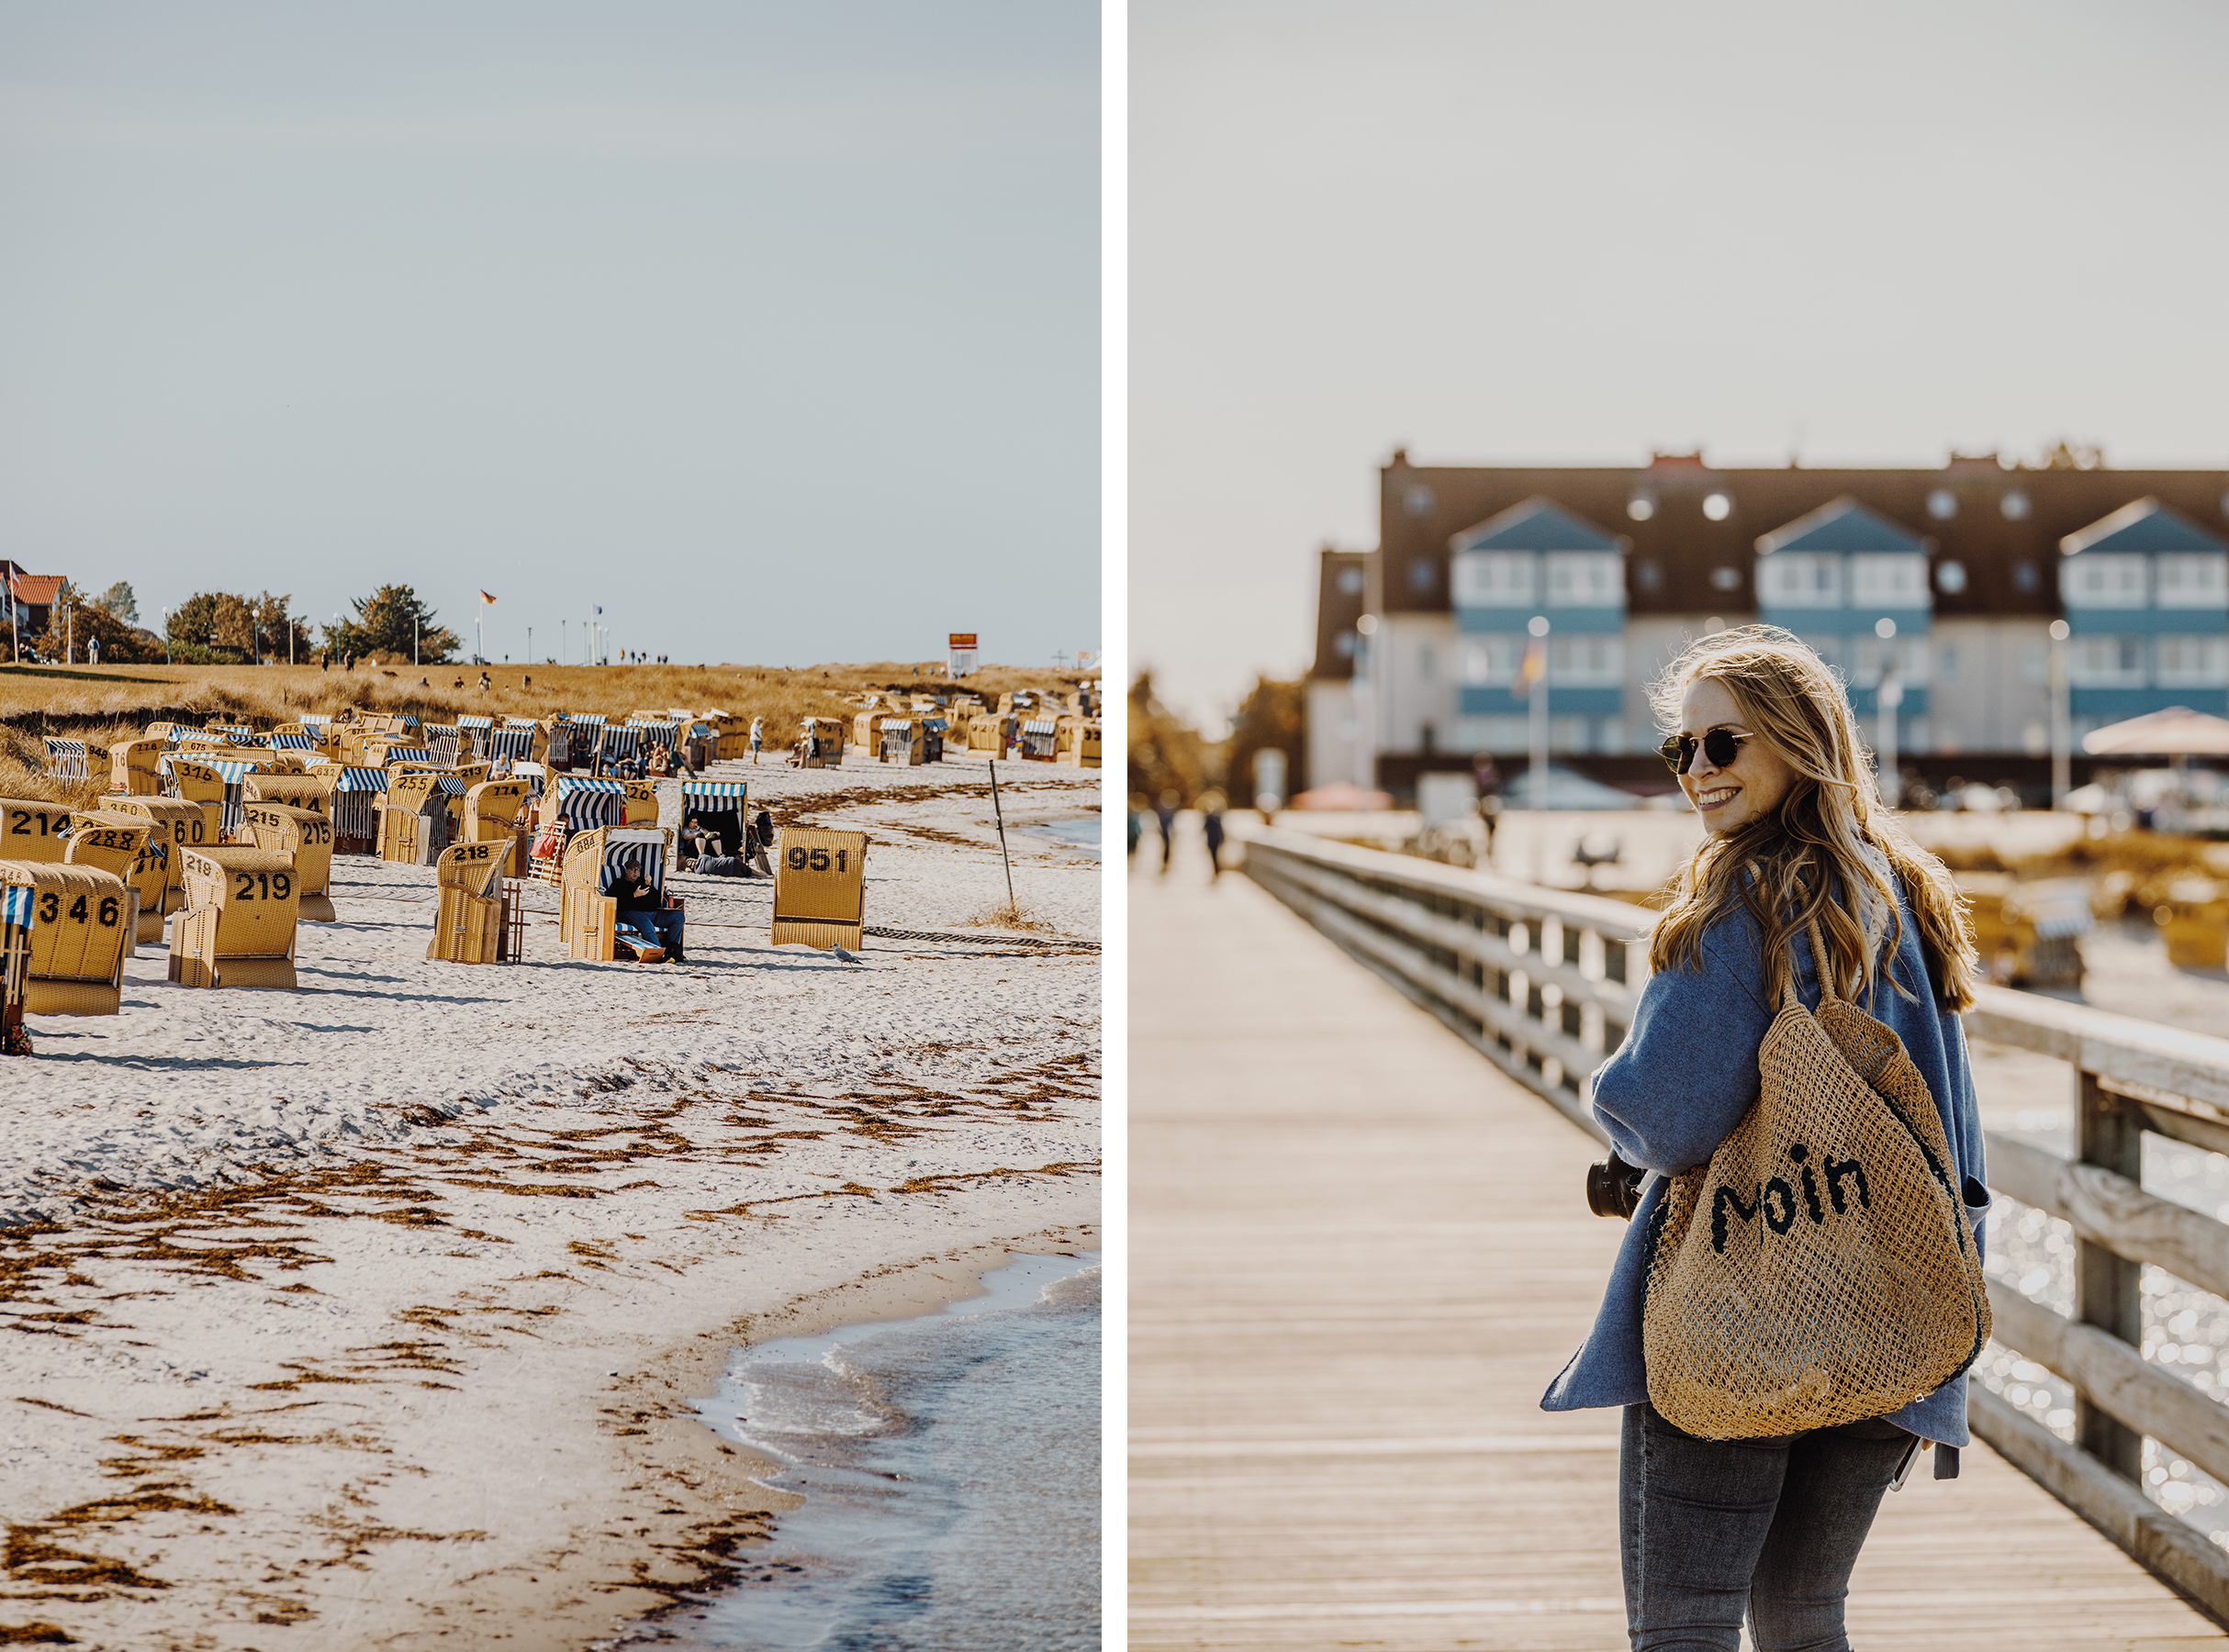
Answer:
(106, 703)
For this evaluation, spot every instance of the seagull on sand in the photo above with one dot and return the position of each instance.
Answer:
(847, 957)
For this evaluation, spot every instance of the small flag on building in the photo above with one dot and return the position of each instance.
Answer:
(1534, 668)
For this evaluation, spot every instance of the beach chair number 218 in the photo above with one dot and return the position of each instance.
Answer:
(49, 910)
(816, 860)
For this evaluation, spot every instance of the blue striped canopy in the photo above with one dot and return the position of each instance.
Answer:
(520, 722)
(583, 802)
(738, 789)
(512, 743)
(231, 768)
(595, 718)
(362, 779)
(16, 906)
(634, 847)
(896, 723)
(568, 784)
(450, 784)
(409, 754)
(1044, 726)
(313, 717)
(295, 743)
(623, 743)
(475, 723)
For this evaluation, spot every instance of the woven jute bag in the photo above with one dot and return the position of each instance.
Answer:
(1820, 1268)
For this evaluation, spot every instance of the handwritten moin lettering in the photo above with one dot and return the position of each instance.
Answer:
(1776, 1199)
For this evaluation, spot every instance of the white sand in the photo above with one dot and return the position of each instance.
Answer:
(375, 1309)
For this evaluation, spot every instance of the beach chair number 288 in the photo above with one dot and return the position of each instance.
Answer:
(816, 860)
(275, 886)
(49, 910)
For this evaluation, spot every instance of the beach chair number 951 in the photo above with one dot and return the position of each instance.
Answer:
(49, 910)
(816, 860)
(262, 885)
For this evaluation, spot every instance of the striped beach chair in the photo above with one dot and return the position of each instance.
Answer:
(295, 743)
(356, 795)
(443, 741)
(1040, 740)
(721, 806)
(234, 771)
(513, 743)
(475, 730)
(66, 759)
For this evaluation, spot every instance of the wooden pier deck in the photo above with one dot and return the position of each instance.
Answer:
(1358, 1255)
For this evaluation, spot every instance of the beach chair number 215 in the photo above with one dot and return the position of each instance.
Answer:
(49, 910)
(816, 860)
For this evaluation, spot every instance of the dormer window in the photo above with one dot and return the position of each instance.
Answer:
(1351, 582)
(2104, 580)
(2014, 505)
(1420, 499)
(1421, 575)
(1941, 504)
(1950, 579)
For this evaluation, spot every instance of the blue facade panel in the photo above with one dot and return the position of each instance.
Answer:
(1589, 620)
(2128, 621)
(1493, 700)
(1849, 621)
(2118, 703)
(1865, 702)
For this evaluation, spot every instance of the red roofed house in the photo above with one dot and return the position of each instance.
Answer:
(28, 597)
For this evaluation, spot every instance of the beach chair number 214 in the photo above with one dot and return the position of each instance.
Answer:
(49, 910)
(816, 860)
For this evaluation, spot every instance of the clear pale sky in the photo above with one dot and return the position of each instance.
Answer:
(1574, 233)
(773, 328)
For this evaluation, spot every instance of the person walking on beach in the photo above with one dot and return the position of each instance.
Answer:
(758, 735)
(1804, 887)
(1164, 811)
(1211, 822)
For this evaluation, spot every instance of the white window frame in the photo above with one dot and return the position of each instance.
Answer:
(1888, 579)
(1585, 660)
(1490, 659)
(2105, 580)
(1801, 579)
(1585, 579)
(2191, 579)
(2191, 662)
(1868, 654)
(1502, 579)
(2107, 660)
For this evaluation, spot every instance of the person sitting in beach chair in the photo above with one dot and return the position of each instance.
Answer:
(643, 911)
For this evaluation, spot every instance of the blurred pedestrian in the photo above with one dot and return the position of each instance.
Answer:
(1137, 821)
(1164, 810)
(1211, 822)
(758, 735)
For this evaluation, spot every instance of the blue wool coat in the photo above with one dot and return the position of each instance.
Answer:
(1683, 1079)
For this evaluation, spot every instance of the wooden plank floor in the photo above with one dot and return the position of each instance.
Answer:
(1358, 1255)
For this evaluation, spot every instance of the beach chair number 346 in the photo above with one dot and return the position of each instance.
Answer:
(49, 910)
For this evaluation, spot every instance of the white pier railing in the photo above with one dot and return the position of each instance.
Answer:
(1543, 981)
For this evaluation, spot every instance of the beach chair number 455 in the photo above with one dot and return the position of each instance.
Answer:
(49, 910)
(816, 860)
(262, 885)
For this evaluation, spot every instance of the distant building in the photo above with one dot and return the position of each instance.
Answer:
(1952, 575)
(27, 598)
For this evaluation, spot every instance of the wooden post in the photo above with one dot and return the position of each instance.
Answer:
(2108, 1288)
(1000, 816)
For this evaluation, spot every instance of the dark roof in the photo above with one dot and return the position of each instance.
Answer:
(1843, 525)
(1674, 552)
(1536, 525)
(1336, 610)
(2144, 526)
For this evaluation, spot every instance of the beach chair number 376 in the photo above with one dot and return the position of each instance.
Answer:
(816, 860)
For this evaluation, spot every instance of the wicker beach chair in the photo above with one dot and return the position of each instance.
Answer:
(79, 922)
(586, 917)
(237, 926)
(305, 837)
(820, 887)
(468, 920)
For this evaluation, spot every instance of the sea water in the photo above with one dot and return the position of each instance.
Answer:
(949, 1468)
(1076, 834)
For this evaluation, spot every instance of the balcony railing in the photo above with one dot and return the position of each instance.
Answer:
(1543, 982)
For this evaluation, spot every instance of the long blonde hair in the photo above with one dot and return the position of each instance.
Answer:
(1807, 861)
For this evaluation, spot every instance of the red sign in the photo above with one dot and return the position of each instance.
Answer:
(962, 639)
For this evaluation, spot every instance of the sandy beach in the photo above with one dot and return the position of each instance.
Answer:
(369, 1315)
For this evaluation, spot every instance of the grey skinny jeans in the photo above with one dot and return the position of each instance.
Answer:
(1708, 1528)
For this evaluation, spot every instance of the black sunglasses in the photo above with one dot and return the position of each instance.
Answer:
(1720, 745)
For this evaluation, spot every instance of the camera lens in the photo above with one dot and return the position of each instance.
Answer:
(1613, 1188)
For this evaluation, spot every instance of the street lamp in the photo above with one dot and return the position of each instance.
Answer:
(1888, 695)
(2062, 716)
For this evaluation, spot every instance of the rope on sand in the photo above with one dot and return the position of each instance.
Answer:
(1055, 946)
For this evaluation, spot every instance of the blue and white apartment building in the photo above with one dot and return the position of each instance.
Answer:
(1951, 577)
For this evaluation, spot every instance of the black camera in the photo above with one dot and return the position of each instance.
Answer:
(1614, 1188)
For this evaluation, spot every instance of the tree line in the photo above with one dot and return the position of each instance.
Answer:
(225, 628)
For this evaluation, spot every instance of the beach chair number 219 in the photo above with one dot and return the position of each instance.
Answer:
(816, 860)
(49, 910)
(275, 886)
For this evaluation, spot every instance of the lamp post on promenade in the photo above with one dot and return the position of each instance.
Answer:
(1365, 706)
(2062, 717)
(1888, 695)
(1534, 672)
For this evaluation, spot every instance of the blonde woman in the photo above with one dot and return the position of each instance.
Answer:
(1767, 751)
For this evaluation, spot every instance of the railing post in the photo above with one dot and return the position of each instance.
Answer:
(2108, 1288)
